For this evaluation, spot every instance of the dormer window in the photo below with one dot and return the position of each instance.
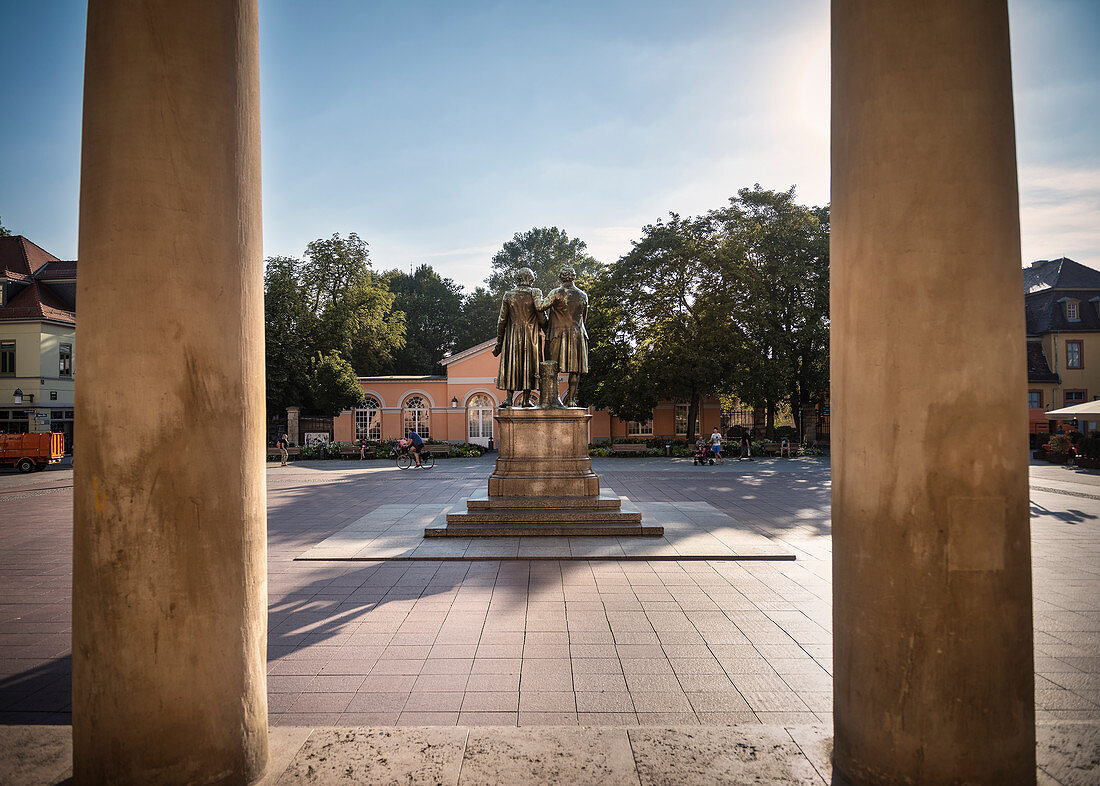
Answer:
(1073, 313)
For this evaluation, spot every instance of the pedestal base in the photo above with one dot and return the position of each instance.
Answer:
(543, 484)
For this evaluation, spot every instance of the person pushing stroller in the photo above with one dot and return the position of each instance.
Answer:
(702, 455)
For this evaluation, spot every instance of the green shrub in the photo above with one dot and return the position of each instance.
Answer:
(1059, 443)
(309, 452)
(466, 450)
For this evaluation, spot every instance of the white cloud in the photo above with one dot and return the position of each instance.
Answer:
(1060, 213)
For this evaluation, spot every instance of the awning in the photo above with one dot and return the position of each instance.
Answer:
(1090, 410)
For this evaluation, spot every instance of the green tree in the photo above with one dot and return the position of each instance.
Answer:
(4, 231)
(330, 301)
(334, 385)
(433, 311)
(545, 250)
(478, 319)
(777, 264)
(656, 323)
(290, 326)
(353, 306)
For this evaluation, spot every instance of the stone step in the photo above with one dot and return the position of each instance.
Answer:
(502, 529)
(605, 501)
(555, 516)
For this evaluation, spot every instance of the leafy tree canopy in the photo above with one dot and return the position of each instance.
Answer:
(733, 303)
(656, 322)
(433, 312)
(778, 253)
(478, 319)
(4, 231)
(334, 385)
(330, 301)
(545, 250)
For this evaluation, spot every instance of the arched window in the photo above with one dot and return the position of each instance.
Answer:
(368, 420)
(417, 415)
(479, 417)
(517, 400)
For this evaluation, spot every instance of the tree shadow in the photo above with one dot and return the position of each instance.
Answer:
(317, 609)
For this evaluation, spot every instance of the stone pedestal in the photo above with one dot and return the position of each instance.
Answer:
(543, 484)
(543, 453)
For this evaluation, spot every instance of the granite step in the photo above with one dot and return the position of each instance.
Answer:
(605, 501)
(546, 516)
(511, 529)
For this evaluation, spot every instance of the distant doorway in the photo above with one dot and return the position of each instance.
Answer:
(479, 419)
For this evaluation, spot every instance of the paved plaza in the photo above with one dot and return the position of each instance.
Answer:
(554, 641)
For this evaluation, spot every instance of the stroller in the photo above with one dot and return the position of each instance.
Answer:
(703, 454)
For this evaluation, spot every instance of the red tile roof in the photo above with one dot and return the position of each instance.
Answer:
(37, 302)
(21, 257)
(53, 271)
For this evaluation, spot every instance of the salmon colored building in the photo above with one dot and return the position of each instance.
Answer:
(459, 405)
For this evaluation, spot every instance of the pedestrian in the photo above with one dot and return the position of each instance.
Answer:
(362, 449)
(282, 444)
(746, 447)
(716, 445)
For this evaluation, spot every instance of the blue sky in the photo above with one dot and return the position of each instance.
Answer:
(436, 130)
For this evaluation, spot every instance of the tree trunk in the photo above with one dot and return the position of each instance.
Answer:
(759, 422)
(693, 415)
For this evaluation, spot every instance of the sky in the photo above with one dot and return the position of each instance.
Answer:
(438, 130)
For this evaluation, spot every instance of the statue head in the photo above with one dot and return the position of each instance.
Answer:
(525, 276)
(567, 274)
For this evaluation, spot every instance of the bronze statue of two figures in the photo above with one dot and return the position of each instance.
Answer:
(524, 316)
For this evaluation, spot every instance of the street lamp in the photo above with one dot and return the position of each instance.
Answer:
(18, 395)
(454, 402)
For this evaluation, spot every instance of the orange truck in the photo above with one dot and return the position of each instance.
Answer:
(28, 452)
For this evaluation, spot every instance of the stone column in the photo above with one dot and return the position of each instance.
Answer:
(931, 558)
(809, 423)
(293, 430)
(169, 573)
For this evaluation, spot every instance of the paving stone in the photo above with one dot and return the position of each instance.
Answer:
(706, 755)
(595, 756)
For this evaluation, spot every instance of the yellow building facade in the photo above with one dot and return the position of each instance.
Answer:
(1062, 300)
(37, 339)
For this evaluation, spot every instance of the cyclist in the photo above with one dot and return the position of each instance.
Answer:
(417, 445)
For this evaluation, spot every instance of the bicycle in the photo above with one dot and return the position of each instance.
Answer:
(405, 459)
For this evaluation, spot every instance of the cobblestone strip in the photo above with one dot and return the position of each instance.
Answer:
(1066, 492)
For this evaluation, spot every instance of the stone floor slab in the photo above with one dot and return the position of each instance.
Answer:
(693, 531)
(379, 757)
(581, 756)
(733, 754)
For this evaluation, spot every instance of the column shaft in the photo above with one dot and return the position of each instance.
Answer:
(931, 554)
(169, 574)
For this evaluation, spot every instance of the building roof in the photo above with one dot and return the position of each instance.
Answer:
(21, 259)
(1045, 312)
(1060, 273)
(468, 352)
(404, 378)
(37, 301)
(1038, 370)
(57, 270)
(40, 286)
